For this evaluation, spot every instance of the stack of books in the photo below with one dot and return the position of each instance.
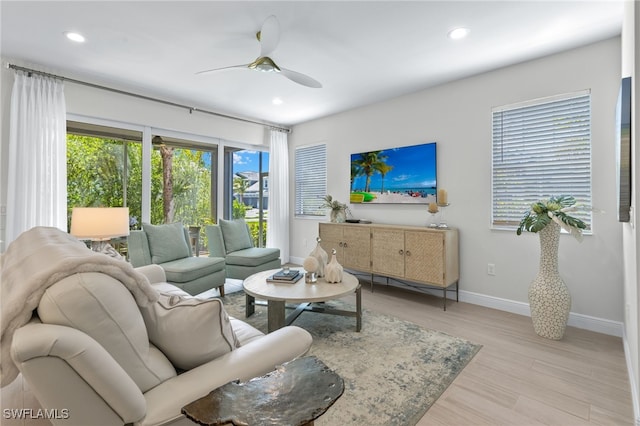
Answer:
(282, 276)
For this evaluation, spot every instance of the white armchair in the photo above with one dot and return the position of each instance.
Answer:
(89, 355)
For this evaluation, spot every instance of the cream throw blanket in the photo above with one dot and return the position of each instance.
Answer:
(39, 258)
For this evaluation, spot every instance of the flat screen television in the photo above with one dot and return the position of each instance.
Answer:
(623, 148)
(400, 175)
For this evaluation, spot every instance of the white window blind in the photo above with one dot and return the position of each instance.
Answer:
(311, 179)
(540, 149)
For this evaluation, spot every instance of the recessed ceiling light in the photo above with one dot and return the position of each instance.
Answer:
(78, 38)
(277, 101)
(458, 33)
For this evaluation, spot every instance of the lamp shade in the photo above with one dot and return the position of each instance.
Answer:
(99, 223)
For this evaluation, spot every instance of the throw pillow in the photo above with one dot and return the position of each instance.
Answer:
(166, 242)
(188, 330)
(236, 235)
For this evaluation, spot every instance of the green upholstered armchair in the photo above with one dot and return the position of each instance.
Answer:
(169, 246)
(231, 239)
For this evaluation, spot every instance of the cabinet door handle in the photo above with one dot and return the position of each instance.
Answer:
(345, 245)
(401, 252)
(408, 253)
(340, 243)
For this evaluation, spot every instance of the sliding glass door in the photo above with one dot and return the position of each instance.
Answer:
(106, 167)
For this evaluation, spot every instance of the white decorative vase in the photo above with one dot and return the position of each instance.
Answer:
(338, 215)
(549, 297)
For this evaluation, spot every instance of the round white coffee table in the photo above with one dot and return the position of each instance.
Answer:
(302, 293)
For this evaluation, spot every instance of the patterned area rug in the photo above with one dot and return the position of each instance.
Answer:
(393, 370)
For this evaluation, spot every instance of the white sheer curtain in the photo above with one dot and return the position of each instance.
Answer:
(37, 178)
(278, 222)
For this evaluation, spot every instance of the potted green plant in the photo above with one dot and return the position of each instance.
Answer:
(554, 209)
(549, 297)
(338, 210)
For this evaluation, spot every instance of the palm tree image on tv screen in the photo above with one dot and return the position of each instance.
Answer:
(395, 176)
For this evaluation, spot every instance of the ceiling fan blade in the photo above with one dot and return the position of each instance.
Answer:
(300, 78)
(269, 35)
(221, 69)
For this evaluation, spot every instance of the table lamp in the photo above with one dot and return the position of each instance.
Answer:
(99, 224)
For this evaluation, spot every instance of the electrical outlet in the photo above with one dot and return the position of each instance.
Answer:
(491, 269)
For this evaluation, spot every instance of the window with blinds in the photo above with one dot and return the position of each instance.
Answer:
(541, 148)
(311, 179)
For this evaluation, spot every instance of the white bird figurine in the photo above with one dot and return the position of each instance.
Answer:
(333, 270)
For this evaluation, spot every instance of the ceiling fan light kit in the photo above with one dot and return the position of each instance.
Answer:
(269, 37)
(264, 64)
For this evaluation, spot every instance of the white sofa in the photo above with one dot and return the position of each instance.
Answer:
(89, 354)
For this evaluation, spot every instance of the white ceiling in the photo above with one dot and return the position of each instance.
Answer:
(361, 51)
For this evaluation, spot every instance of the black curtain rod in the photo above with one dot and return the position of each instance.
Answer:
(148, 98)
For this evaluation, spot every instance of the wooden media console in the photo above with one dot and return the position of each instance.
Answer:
(427, 257)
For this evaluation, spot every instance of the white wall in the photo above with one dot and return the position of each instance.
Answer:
(458, 116)
(87, 101)
(97, 103)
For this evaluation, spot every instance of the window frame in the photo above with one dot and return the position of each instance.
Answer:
(524, 119)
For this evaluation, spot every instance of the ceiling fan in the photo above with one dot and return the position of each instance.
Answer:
(269, 37)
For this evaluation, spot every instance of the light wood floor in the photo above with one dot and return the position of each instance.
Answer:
(517, 378)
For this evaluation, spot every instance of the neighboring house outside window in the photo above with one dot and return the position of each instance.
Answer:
(251, 194)
(540, 148)
(310, 180)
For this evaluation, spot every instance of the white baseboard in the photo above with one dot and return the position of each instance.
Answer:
(599, 325)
